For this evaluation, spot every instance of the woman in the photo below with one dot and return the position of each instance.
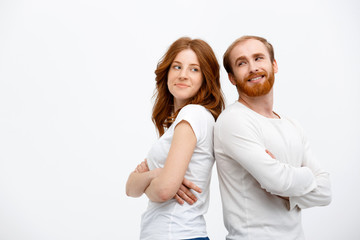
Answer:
(188, 101)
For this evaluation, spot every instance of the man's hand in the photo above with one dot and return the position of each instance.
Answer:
(272, 155)
(184, 194)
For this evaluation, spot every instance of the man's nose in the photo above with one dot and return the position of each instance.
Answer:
(253, 67)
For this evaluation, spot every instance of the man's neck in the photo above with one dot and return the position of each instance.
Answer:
(263, 105)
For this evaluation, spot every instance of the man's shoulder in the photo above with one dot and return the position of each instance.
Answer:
(232, 112)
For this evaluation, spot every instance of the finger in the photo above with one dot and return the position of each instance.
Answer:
(178, 199)
(188, 193)
(185, 197)
(142, 166)
(271, 155)
(139, 168)
(146, 164)
(147, 167)
(191, 185)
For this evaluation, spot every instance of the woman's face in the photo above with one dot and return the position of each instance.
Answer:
(184, 77)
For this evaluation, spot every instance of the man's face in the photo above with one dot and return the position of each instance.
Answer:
(254, 73)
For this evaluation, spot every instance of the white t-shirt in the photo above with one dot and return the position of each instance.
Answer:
(170, 220)
(250, 179)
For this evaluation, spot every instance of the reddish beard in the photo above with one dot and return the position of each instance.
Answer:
(256, 89)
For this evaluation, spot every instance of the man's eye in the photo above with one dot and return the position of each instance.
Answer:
(241, 63)
(258, 58)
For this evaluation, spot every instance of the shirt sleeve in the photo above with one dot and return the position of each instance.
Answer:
(321, 195)
(196, 116)
(240, 139)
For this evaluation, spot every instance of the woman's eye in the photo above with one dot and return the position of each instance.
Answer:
(195, 69)
(176, 67)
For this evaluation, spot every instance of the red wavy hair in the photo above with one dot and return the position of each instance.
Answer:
(209, 95)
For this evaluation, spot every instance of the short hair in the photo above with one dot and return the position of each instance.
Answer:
(226, 58)
(209, 95)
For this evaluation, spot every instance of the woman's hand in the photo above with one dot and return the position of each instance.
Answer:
(140, 179)
(183, 194)
(142, 167)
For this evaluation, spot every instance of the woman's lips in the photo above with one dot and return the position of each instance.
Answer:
(181, 85)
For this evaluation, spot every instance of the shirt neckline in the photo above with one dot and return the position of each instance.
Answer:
(258, 114)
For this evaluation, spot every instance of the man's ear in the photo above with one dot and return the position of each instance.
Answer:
(232, 79)
(275, 66)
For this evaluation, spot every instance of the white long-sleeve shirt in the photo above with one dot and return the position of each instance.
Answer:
(251, 181)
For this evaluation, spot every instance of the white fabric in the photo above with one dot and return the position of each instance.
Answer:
(250, 179)
(170, 220)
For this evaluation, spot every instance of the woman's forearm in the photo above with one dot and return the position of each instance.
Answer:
(160, 190)
(138, 182)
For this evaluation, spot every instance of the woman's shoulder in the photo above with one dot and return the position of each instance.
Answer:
(196, 110)
(193, 107)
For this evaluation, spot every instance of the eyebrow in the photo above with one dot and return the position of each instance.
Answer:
(239, 59)
(253, 55)
(258, 55)
(191, 64)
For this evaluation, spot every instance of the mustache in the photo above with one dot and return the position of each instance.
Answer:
(253, 75)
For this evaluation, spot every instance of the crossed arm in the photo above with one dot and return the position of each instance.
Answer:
(304, 186)
(162, 184)
(321, 195)
(183, 194)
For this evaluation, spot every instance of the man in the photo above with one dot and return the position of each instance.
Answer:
(266, 170)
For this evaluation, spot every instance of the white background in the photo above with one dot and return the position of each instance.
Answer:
(76, 81)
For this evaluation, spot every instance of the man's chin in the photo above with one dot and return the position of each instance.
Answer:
(256, 91)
